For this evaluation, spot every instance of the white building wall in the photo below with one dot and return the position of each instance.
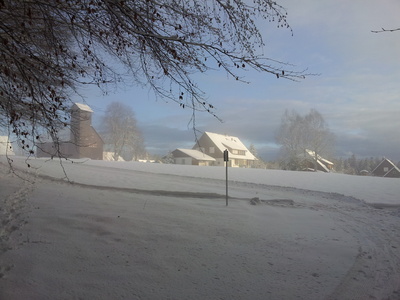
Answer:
(183, 160)
(5, 146)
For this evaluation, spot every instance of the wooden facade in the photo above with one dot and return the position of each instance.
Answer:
(386, 169)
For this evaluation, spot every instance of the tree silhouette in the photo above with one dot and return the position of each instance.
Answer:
(48, 49)
(297, 134)
(121, 133)
(385, 30)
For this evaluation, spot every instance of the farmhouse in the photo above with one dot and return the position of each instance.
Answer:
(323, 164)
(209, 151)
(191, 157)
(386, 169)
(80, 140)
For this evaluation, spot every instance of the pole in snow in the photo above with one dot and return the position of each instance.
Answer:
(226, 159)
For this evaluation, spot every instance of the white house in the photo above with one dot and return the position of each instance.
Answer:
(5, 146)
(323, 164)
(191, 157)
(209, 150)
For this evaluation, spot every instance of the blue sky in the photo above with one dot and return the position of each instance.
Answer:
(357, 90)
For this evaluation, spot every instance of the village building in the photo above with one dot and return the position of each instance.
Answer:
(209, 151)
(386, 168)
(308, 162)
(5, 146)
(192, 157)
(80, 140)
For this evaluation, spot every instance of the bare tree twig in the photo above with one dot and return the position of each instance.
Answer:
(385, 30)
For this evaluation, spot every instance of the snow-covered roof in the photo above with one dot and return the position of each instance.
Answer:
(82, 106)
(312, 154)
(109, 156)
(323, 166)
(223, 142)
(198, 155)
(394, 167)
(322, 162)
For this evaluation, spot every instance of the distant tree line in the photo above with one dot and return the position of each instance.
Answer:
(357, 166)
(351, 165)
(299, 135)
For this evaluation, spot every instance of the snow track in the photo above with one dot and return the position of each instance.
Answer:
(131, 234)
(375, 273)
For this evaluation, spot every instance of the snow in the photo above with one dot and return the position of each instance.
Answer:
(83, 107)
(122, 230)
(223, 142)
(196, 154)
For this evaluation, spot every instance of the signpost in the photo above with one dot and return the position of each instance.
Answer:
(226, 159)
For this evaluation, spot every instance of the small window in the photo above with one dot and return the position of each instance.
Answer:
(385, 169)
(212, 150)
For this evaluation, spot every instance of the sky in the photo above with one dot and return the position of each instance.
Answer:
(356, 88)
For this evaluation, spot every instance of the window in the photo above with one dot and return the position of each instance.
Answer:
(385, 169)
(240, 162)
(212, 150)
(239, 152)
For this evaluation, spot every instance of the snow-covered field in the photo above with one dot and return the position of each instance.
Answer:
(116, 230)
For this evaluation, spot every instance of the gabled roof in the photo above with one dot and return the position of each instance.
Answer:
(322, 162)
(323, 166)
(223, 142)
(83, 107)
(198, 155)
(320, 158)
(394, 167)
(393, 171)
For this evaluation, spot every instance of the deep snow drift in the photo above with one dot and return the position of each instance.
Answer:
(148, 231)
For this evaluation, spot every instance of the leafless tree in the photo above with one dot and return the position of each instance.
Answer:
(48, 49)
(289, 137)
(121, 133)
(297, 134)
(385, 30)
(258, 163)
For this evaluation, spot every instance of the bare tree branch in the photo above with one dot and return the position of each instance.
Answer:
(48, 49)
(297, 134)
(385, 30)
(121, 133)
